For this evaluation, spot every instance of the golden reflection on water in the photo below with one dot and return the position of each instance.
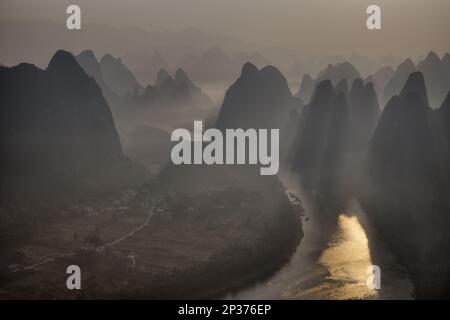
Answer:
(340, 270)
(347, 258)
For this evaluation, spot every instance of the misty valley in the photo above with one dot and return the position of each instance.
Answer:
(186, 165)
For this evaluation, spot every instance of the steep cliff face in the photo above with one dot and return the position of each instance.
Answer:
(322, 138)
(314, 132)
(364, 114)
(404, 155)
(56, 125)
(408, 186)
(443, 114)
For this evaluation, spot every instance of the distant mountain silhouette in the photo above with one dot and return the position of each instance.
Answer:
(297, 69)
(437, 79)
(379, 80)
(398, 79)
(172, 45)
(337, 72)
(436, 74)
(181, 77)
(57, 130)
(118, 77)
(256, 58)
(150, 96)
(178, 90)
(372, 65)
(306, 88)
(217, 66)
(151, 68)
(215, 57)
(168, 90)
(212, 66)
(88, 61)
(157, 61)
(161, 76)
(173, 90)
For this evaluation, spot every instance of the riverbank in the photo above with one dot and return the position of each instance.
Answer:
(252, 216)
(192, 234)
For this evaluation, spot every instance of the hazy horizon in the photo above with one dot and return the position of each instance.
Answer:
(316, 27)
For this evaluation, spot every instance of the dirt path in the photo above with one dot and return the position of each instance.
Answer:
(53, 257)
(132, 232)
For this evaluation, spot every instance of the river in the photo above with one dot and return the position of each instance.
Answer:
(333, 264)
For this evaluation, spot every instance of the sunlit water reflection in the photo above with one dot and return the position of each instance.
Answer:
(346, 259)
(334, 266)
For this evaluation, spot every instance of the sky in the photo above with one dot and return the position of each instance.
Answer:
(410, 27)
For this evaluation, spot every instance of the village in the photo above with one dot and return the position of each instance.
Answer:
(153, 232)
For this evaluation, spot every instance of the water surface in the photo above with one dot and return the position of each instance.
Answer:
(331, 262)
